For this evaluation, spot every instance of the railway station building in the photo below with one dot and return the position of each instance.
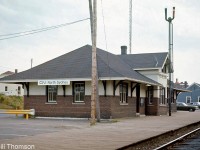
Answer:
(128, 84)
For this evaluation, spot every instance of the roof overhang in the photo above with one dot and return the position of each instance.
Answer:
(182, 90)
(138, 69)
(81, 79)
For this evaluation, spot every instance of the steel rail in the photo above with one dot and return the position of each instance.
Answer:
(176, 140)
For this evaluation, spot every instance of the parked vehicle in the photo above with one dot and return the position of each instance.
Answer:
(184, 106)
(195, 104)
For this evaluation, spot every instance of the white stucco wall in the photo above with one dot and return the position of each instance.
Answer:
(34, 89)
(143, 89)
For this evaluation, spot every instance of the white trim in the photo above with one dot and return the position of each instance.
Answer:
(165, 60)
(137, 69)
(193, 84)
(36, 80)
(78, 103)
(81, 79)
(49, 103)
(123, 104)
(186, 99)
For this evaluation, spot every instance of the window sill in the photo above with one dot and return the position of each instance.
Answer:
(79, 103)
(123, 103)
(51, 103)
(163, 105)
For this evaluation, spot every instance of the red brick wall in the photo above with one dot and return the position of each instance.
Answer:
(65, 107)
(162, 110)
(109, 106)
(119, 111)
(152, 109)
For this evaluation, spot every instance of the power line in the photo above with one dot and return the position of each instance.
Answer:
(19, 34)
(130, 26)
(102, 12)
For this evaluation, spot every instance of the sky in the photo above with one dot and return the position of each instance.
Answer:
(149, 31)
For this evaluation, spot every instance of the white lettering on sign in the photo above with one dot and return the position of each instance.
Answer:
(53, 82)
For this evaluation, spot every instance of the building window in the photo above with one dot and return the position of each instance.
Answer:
(52, 93)
(198, 98)
(19, 90)
(150, 94)
(188, 99)
(162, 96)
(79, 92)
(123, 91)
(6, 88)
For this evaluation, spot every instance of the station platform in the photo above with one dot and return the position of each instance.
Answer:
(108, 135)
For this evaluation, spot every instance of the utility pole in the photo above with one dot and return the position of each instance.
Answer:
(170, 67)
(94, 82)
(130, 26)
(31, 62)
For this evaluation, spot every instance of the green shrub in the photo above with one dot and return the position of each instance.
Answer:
(13, 101)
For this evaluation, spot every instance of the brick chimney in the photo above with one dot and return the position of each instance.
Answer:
(123, 50)
(16, 71)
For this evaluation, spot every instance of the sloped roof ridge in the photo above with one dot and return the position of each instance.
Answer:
(7, 72)
(150, 80)
(145, 53)
(107, 64)
(193, 84)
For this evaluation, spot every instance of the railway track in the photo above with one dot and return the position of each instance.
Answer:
(180, 142)
(166, 140)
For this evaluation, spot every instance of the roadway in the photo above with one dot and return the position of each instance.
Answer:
(77, 134)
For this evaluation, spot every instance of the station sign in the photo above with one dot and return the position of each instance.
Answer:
(53, 82)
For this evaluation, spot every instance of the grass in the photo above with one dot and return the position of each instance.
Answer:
(11, 102)
(4, 106)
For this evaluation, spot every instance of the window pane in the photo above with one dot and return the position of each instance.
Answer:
(52, 93)
(188, 99)
(122, 93)
(79, 91)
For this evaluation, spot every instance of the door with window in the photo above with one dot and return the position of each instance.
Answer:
(138, 99)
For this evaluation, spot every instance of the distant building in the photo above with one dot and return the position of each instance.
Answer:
(193, 96)
(10, 89)
(183, 85)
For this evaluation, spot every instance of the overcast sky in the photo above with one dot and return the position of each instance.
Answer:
(150, 31)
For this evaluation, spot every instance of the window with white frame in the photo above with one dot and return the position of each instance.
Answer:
(52, 93)
(198, 98)
(123, 91)
(162, 96)
(79, 92)
(188, 99)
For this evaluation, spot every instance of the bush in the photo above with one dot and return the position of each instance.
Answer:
(13, 101)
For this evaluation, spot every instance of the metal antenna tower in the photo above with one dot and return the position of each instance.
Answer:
(130, 26)
(170, 68)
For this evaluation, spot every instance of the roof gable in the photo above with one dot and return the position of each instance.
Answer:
(194, 86)
(145, 60)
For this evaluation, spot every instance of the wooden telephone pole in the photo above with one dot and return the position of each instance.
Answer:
(94, 82)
